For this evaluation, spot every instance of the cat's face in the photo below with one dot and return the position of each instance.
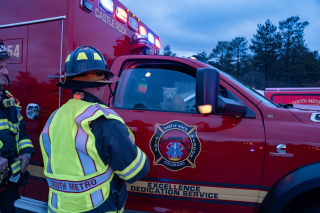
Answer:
(169, 93)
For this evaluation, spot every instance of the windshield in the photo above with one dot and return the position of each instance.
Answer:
(251, 91)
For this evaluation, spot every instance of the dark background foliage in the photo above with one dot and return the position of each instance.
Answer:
(276, 57)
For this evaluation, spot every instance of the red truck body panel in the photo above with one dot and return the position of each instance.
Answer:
(305, 96)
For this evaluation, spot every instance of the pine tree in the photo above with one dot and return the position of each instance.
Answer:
(205, 55)
(167, 51)
(222, 56)
(293, 48)
(265, 46)
(239, 45)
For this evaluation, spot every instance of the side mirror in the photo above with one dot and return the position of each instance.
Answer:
(207, 90)
(208, 100)
(230, 107)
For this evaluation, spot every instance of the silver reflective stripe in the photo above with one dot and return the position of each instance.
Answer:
(135, 167)
(16, 167)
(79, 186)
(106, 111)
(4, 123)
(13, 127)
(96, 198)
(46, 141)
(87, 163)
(24, 143)
(54, 200)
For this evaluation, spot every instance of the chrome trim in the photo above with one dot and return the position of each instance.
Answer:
(140, 38)
(133, 24)
(313, 117)
(61, 62)
(32, 22)
(189, 97)
(31, 205)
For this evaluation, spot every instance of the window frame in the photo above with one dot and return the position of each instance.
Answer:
(191, 71)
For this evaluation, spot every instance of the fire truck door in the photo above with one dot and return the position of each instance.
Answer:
(212, 160)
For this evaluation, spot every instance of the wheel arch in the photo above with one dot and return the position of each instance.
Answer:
(290, 186)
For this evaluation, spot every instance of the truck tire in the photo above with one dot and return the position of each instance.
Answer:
(308, 208)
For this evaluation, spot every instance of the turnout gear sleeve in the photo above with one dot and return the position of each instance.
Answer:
(24, 143)
(116, 148)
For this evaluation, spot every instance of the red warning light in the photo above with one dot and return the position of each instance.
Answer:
(142, 30)
(157, 43)
(121, 14)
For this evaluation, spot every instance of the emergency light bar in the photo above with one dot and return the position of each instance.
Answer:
(142, 30)
(157, 43)
(107, 5)
(151, 38)
(140, 38)
(121, 14)
(133, 24)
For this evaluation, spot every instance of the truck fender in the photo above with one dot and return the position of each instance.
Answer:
(291, 185)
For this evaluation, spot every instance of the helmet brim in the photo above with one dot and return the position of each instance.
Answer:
(71, 84)
(107, 73)
(7, 57)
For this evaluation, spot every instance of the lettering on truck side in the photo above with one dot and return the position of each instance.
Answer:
(110, 21)
(197, 191)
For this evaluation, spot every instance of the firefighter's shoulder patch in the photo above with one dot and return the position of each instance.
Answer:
(16, 101)
(175, 145)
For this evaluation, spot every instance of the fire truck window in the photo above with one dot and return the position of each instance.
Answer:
(227, 94)
(156, 89)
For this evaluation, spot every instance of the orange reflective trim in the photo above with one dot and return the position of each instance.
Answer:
(77, 96)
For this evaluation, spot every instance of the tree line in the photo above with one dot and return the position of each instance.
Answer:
(276, 57)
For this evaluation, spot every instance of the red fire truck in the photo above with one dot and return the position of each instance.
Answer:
(299, 95)
(214, 144)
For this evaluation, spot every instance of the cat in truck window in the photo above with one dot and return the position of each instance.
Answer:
(172, 101)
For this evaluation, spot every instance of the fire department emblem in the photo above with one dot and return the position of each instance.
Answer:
(175, 145)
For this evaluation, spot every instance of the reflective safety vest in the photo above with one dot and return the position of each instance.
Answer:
(77, 177)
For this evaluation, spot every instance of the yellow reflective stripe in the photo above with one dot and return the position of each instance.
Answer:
(134, 168)
(20, 117)
(16, 167)
(5, 124)
(97, 57)
(2, 127)
(13, 127)
(68, 59)
(1, 144)
(24, 140)
(138, 169)
(131, 165)
(82, 56)
(26, 145)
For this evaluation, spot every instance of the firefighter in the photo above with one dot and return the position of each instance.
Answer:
(15, 145)
(88, 151)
